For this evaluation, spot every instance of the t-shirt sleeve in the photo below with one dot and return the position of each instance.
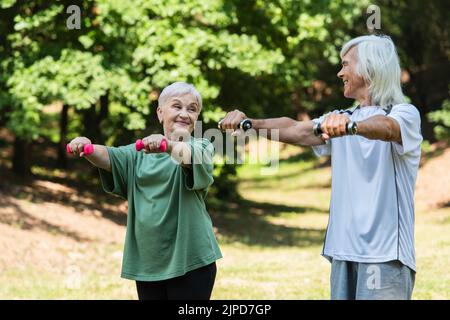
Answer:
(322, 149)
(408, 118)
(122, 168)
(200, 176)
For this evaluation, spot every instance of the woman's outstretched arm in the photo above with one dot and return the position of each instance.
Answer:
(99, 157)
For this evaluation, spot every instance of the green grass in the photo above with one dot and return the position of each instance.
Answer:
(82, 278)
(273, 250)
(271, 241)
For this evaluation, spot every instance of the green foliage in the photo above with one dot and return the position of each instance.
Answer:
(250, 54)
(442, 118)
(4, 4)
(266, 58)
(77, 78)
(225, 182)
(425, 146)
(420, 31)
(131, 50)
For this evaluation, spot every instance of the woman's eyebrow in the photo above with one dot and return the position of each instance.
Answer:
(175, 100)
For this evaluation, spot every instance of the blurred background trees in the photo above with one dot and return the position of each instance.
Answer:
(267, 58)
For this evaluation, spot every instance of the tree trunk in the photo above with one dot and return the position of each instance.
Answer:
(21, 157)
(92, 120)
(90, 123)
(104, 104)
(104, 108)
(62, 154)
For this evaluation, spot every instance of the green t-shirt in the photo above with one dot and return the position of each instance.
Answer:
(169, 231)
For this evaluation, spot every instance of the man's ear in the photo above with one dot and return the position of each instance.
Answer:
(160, 114)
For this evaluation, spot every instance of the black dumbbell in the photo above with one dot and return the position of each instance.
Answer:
(351, 128)
(244, 125)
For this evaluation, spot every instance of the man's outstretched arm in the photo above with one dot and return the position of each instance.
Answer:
(379, 127)
(287, 130)
(301, 133)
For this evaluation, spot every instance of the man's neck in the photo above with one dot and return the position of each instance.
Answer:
(365, 101)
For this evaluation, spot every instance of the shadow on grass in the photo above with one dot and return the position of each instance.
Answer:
(245, 222)
(265, 185)
(240, 221)
(25, 221)
(276, 177)
(444, 204)
(305, 156)
(87, 199)
(314, 164)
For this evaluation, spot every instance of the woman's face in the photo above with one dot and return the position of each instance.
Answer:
(178, 114)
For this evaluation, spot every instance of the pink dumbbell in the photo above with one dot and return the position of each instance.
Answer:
(88, 149)
(162, 146)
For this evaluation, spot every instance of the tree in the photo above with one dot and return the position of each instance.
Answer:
(126, 53)
(267, 58)
(420, 30)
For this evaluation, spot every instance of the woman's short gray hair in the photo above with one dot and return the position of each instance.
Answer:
(379, 65)
(179, 89)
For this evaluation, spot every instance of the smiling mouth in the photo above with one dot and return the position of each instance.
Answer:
(345, 82)
(182, 123)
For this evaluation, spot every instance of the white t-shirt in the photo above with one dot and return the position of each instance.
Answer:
(372, 192)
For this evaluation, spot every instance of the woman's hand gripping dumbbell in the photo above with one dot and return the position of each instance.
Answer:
(153, 143)
(81, 145)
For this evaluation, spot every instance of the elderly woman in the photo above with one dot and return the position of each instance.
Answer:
(170, 247)
(375, 155)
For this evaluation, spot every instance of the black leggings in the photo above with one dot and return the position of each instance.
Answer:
(194, 285)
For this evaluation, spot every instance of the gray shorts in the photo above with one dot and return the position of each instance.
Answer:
(371, 281)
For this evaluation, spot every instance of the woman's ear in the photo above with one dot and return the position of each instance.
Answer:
(160, 114)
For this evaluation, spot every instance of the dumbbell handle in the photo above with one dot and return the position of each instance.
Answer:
(140, 145)
(350, 128)
(87, 149)
(244, 125)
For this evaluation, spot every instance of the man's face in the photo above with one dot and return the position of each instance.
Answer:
(354, 85)
(179, 114)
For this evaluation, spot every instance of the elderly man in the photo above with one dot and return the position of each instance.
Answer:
(375, 153)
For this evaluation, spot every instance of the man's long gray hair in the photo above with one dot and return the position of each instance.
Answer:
(378, 64)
